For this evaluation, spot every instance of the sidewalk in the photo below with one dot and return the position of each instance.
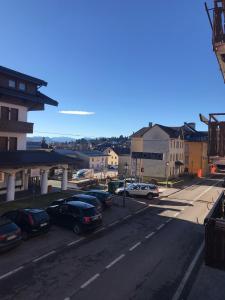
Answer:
(208, 285)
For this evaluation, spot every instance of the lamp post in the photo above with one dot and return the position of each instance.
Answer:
(125, 178)
(167, 164)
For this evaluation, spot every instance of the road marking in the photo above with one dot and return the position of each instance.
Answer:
(67, 298)
(135, 246)
(176, 214)
(160, 226)
(99, 230)
(90, 280)
(140, 210)
(115, 261)
(127, 217)
(11, 272)
(149, 235)
(75, 242)
(169, 220)
(113, 223)
(208, 189)
(44, 256)
(179, 291)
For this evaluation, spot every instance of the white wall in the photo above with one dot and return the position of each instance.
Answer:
(21, 139)
(22, 116)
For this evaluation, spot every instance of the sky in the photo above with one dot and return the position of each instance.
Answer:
(128, 62)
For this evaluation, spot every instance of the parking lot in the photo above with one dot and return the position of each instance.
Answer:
(59, 238)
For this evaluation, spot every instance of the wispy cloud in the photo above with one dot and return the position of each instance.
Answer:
(76, 112)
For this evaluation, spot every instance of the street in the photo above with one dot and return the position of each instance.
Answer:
(143, 257)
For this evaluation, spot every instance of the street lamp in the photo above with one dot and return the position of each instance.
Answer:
(125, 178)
(167, 164)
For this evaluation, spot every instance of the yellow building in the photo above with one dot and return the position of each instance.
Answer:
(112, 157)
(196, 157)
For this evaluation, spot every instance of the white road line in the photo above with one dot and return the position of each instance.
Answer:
(149, 235)
(90, 280)
(11, 272)
(76, 241)
(44, 256)
(160, 226)
(179, 291)
(115, 261)
(99, 230)
(169, 220)
(208, 189)
(67, 298)
(135, 246)
(113, 223)
(140, 210)
(127, 217)
(176, 214)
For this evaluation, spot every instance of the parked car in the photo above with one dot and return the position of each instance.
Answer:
(104, 197)
(139, 189)
(77, 215)
(10, 234)
(86, 199)
(31, 221)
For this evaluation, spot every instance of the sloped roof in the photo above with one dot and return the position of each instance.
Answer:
(22, 158)
(173, 132)
(22, 76)
(140, 132)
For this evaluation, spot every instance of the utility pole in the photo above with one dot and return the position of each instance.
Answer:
(125, 178)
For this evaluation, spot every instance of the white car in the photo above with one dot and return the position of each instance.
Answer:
(139, 189)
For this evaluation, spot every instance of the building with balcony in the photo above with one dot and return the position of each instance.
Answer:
(19, 94)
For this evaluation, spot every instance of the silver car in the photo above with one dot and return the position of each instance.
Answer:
(139, 189)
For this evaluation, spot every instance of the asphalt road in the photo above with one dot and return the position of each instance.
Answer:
(144, 257)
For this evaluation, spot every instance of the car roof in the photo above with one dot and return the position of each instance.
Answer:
(4, 220)
(84, 196)
(80, 204)
(33, 210)
(99, 191)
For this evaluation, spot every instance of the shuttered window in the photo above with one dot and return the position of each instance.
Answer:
(12, 144)
(3, 143)
(14, 114)
(4, 113)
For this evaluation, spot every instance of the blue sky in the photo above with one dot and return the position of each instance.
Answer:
(129, 61)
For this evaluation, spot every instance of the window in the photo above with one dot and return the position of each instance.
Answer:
(12, 84)
(93, 159)
(2, 177)
(22, 86)
(176, 156)
(3, 144)
(14, 114)
(12, 144)
(4, 113)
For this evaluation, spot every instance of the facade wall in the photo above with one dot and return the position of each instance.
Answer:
(196, 157)
(22, 114)
(124, 159)
(30, 87)
(21, 139)
(112, 158)
(98, 163)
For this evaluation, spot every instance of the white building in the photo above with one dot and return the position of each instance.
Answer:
(157, 152)
(19, 94)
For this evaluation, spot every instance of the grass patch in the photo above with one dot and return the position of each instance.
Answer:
(41, 201)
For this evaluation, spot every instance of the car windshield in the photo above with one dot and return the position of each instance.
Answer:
(7, 227)
(89, 212)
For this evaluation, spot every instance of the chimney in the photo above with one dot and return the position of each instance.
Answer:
(150, 124)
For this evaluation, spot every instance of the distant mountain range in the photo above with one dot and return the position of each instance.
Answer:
(59, 139)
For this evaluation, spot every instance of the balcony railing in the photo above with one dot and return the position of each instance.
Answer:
(16, 126)
(218, 22)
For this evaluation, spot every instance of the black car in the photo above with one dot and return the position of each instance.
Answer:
(31, 221)
(10, 234)
(104, 197)
(78, 216)
(86, 199)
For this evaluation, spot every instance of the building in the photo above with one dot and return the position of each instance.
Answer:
(112, 157)
(157, 152)
(124, 159)
(196, 153)
(19, 94)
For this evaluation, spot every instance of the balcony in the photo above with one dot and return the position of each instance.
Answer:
(16, 126)
(218, 39)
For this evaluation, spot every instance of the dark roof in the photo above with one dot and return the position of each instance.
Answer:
(22, 76)
(38, 98)
(173, 132)
(91, 153)
(200, 136)
(140, 132)
(122, 151)
(22, 158)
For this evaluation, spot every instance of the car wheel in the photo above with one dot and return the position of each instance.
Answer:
(150, 196)
(76, 229)
(25, 236)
